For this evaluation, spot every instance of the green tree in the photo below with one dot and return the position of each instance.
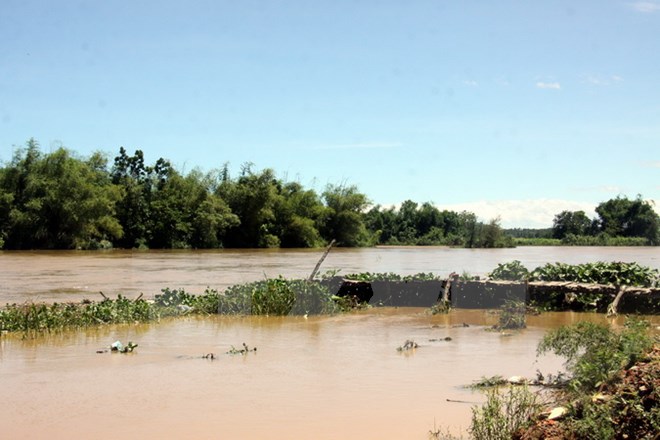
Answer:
(252, 198)
(570, 222)
(131, 175)
(629, 218)
(344, 220)
(298, 216)
(57, 201)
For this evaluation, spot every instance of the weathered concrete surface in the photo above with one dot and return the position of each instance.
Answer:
(492, 294)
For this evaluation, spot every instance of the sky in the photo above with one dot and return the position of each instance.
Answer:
(514, 109)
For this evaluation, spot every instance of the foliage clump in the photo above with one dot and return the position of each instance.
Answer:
(615, 273)
(600, 272)
(391, 276)
(512, 315)
(595, 353)
(42, 317)
(511, 271)
(503, 413)
(614, 389)
(276, 296)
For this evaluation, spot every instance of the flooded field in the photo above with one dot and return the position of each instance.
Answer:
(73, 275)
(318, 377)
(321, 377)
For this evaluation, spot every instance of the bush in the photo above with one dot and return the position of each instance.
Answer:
(617, 273)
(595, 353)
(512, 315)
(503, 414)
(512, 271)
(277, 296)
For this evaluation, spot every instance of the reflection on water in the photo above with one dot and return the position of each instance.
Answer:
(322, 377)
(73, 275)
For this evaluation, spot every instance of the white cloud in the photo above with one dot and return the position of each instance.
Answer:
(645, 7)
(471, 83)
(651, 164)
(548, 85)
(535, 213)
(610, 189)
(599, 80)
(360, 145)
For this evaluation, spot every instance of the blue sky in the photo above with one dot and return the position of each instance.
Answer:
(512, 108)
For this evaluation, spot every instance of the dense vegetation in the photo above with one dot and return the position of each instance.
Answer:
(58, 200)
(600, 272)
(631, 222)
(273, 297)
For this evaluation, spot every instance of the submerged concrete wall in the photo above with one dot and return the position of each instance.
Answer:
(493, 294)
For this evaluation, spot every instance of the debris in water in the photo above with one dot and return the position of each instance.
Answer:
(244, 350)
(408, 345)
(118, 347)
(517, 380)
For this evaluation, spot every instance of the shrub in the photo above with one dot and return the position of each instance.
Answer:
(512, 271)
(595, 353)
(503, 414)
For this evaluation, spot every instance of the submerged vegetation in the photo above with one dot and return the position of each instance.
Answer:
(614, 273)
(58, 200)
(326, 295)
(512, 315)
(276, 296)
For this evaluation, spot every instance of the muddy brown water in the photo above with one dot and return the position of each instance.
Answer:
(318, 377)
(321, 377)
(72, 276)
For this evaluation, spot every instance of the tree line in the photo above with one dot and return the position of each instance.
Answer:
(59, 200)
(616, 218)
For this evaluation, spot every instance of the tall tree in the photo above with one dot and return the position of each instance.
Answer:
(345, 216)
(58, 201)
(629, 218)
(570, 222)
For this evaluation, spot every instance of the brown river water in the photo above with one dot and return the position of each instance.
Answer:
(322, 377)
(73, 275)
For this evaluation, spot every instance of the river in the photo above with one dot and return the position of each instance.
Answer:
(321, 377)
(75, 275)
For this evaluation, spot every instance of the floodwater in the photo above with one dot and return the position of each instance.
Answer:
(318, 377)
(321, 377)
(75, 275)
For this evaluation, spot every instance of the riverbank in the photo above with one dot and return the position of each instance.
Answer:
(626, 407)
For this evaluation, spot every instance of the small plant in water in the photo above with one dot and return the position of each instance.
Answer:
(512, 315)
(245, 350)
(489, 382)
(440, 307)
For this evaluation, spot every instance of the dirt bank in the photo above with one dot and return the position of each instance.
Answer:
(630, 405)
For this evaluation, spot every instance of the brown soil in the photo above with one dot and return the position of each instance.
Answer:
(632, 402)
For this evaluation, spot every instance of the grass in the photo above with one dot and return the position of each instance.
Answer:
(503, 413)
